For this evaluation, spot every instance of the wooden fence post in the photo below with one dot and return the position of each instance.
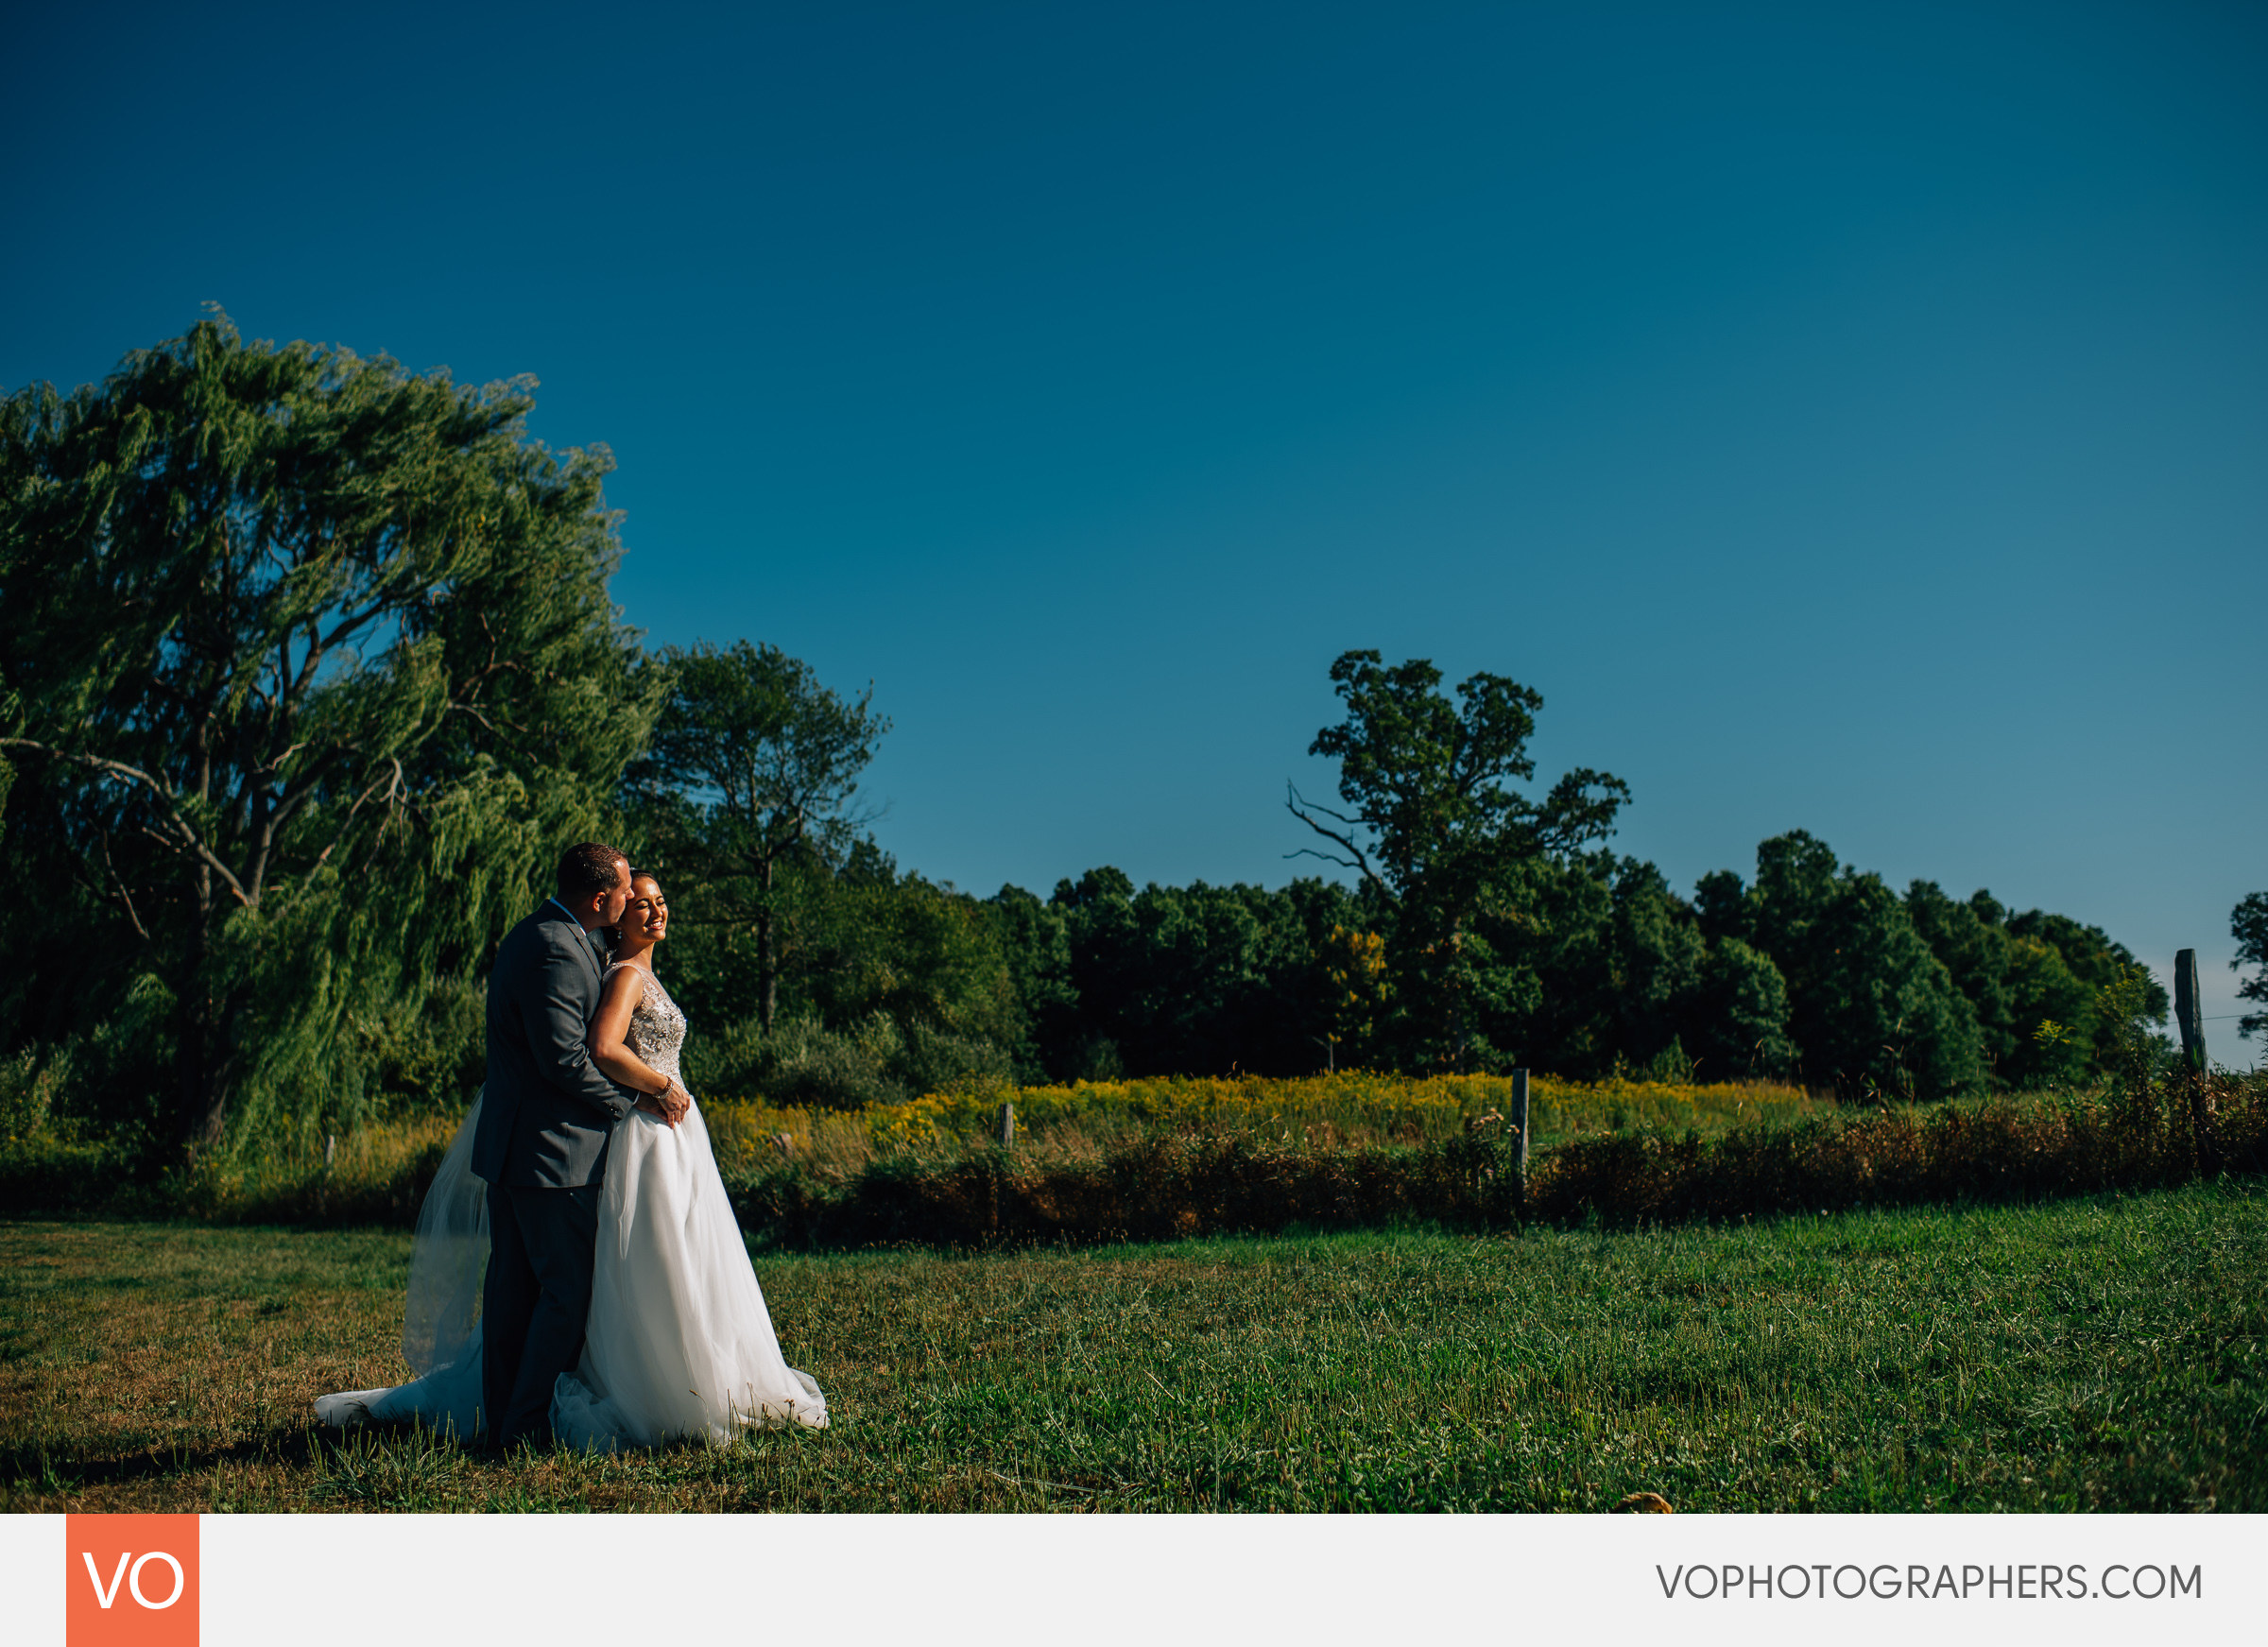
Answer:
(2189, 1009)
(1008, 1126)
(1519, 1125)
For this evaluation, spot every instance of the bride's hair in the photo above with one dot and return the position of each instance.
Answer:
(612, 935)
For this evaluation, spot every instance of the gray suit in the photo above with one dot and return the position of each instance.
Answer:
(545, 1117)
(547, 1110)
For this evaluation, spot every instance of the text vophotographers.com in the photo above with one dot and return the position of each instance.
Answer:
(1889, 1581)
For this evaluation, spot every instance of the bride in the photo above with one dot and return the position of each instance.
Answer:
(679, 1342)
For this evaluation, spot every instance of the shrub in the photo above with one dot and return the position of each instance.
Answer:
(1141, 1159)
(803, 1063)
(30, 1083)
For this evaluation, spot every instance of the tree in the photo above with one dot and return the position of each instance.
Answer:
(307, 663)
(1626, 975)
(1547, 938)
(2248, 925)
(766, 759)
(1736, 1017)
(1968, 938)
(1186, 980)
(1036, 945)
(921, 953)
(1884, 1016)
(2036, 1020)
(1354, 979)
(1873, 1012)
(2091, 956)
(1434, 830)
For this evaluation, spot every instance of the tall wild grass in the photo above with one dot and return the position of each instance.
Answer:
(1149, 1159)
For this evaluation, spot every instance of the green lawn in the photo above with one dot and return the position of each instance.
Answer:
(2104, 1353)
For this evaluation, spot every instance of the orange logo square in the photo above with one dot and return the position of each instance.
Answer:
(129, 1581)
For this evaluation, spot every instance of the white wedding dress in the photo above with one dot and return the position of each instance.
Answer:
(679, 1342)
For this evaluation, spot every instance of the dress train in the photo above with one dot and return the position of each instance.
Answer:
(679, 1342)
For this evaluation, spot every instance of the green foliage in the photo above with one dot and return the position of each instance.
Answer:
(2248, 925)
(1872, 1011)
(747, 786)
(926, 956)
(1628, 977)
(432, 1058)
(307, 672)
(1035, 944)
(30, 1083)
(2036, 983)
(1737, 1017)
(309, 666)
(1196, 980)
(1445, 846)
(875, 1060)
(892, 981)
(2138, 1058)
(2096, 962)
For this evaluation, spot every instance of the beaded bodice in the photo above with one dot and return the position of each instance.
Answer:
(656, 1027)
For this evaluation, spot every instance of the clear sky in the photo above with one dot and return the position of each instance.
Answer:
(1852, 417)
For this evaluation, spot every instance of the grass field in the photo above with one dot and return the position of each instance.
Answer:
(2102, 1353)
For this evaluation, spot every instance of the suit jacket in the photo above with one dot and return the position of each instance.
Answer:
(547, 1110)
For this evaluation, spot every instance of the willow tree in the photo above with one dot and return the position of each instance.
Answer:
(309, 663)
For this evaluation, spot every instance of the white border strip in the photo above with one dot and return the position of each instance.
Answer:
(1244, 1580)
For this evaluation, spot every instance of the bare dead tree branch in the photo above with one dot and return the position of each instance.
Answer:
(1356, 859)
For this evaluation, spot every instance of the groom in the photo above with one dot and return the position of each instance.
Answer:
(545, 1122)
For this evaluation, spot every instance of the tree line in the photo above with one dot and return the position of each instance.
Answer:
(308, 668)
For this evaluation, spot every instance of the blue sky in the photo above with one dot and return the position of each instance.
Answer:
(1849, 418)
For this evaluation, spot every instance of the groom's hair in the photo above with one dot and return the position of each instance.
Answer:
(587, 869)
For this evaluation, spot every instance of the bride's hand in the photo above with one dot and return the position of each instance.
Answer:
(669, 1105)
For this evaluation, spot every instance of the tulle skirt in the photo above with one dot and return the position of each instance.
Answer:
(679, 1342)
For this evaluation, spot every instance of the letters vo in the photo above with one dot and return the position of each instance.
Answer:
(131, 1581)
